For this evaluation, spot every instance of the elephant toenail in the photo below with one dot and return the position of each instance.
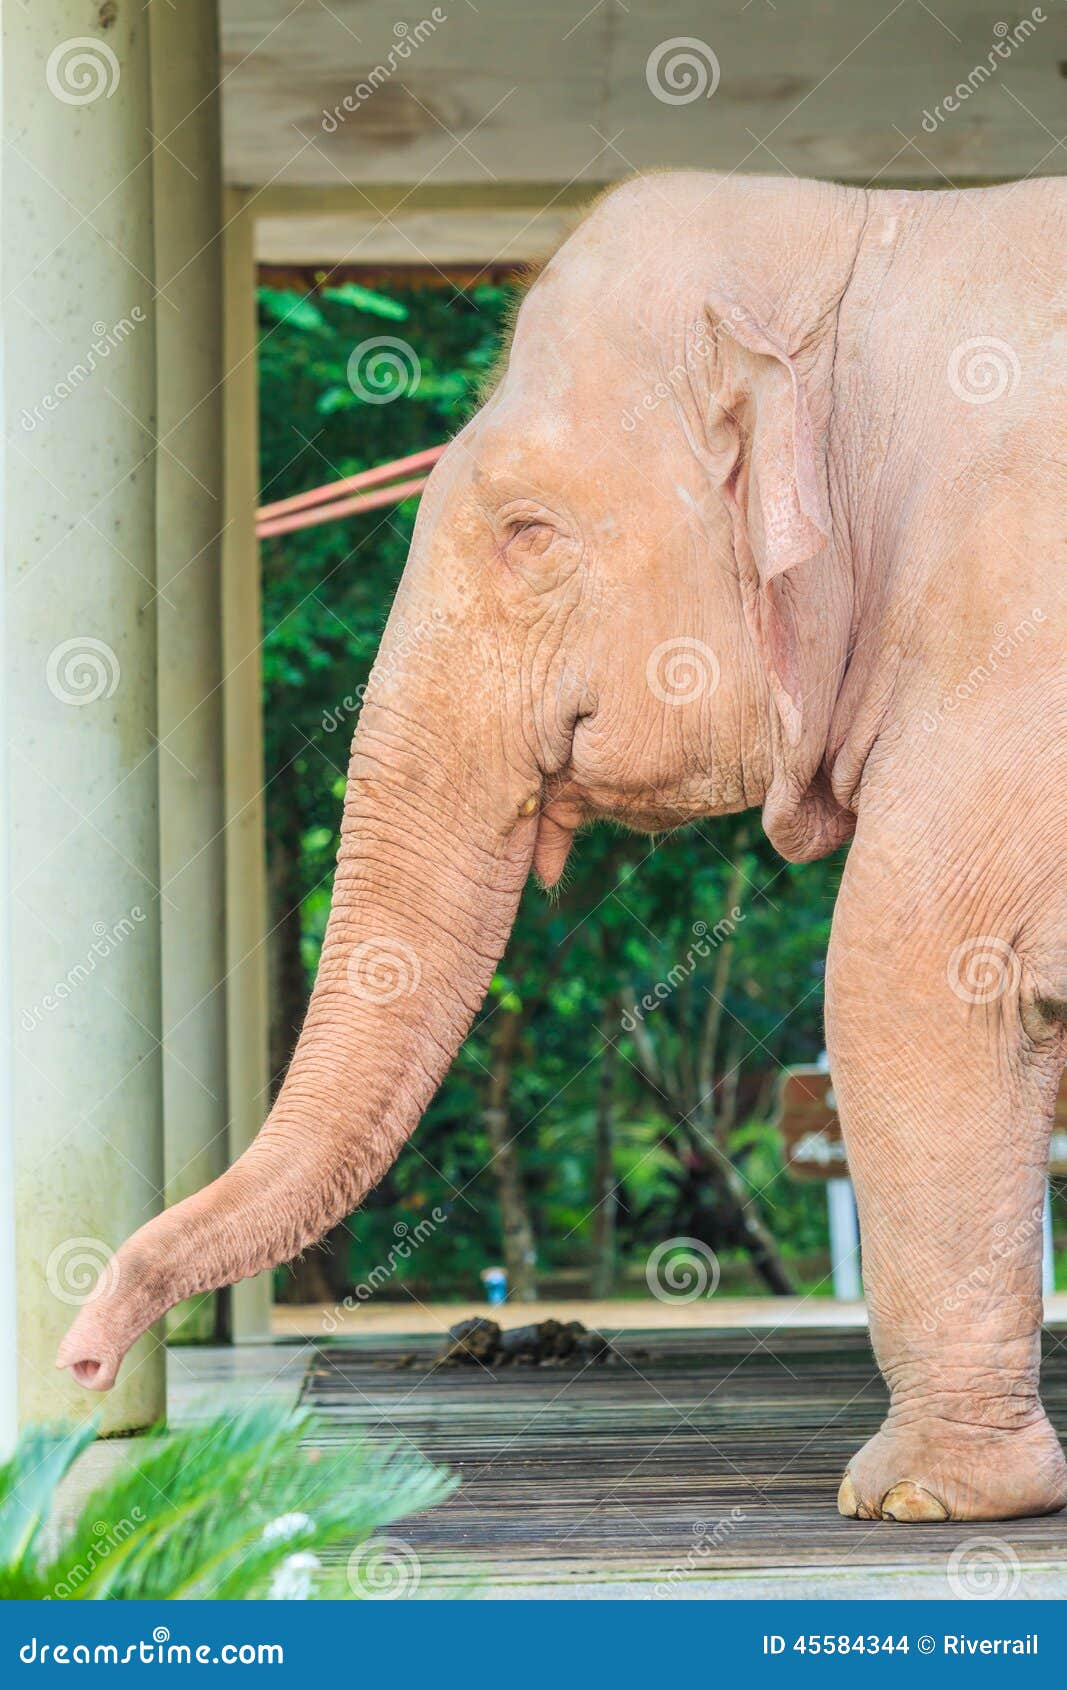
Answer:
(909, 1501)
(847, 1500)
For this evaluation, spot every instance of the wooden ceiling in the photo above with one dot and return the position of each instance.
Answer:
(460, 132)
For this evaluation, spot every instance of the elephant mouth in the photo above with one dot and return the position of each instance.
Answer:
(648, 811)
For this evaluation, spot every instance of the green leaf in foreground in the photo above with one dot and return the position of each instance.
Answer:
(234, 1508)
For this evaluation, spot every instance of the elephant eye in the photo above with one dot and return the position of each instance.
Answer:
(530, 536)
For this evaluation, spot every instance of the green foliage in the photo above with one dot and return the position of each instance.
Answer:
(219, 1510)
(623, 921)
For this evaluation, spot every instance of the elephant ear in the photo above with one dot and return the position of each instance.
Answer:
(776, 491)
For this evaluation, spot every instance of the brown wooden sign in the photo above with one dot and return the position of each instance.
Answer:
(814, 1148)
(807, 1120)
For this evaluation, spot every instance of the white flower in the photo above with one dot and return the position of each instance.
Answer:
(292, 1581)
(286, 1525)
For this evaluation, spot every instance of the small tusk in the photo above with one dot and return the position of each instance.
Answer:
(528, 807)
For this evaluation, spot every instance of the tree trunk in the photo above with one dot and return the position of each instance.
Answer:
(605, 1196)
(520, 1252)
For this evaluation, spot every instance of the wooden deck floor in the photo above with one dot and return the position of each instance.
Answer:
(699, 1453)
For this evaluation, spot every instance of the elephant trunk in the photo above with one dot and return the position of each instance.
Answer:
(436, 844)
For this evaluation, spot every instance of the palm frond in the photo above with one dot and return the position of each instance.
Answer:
(212, 1511)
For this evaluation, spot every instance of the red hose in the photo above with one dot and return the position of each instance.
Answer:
(349, 484)
(341, 507)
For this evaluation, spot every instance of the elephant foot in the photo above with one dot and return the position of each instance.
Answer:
(933, 1470)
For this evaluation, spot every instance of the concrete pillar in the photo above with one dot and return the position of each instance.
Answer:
(8, 1297)
(189, 525)
(79, 537)
(844, 1240)
(246, 875)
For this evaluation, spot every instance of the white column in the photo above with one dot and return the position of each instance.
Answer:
(844, 1240)
(1048, 1251)
(189, 525)
(8, 1299)
(79, 417)
(246, 875)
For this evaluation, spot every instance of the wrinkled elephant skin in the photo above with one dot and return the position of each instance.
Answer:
(766, 508)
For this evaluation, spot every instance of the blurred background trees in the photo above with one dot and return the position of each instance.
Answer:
(577, 1129)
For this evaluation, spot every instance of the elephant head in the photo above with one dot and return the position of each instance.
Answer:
(623, 599)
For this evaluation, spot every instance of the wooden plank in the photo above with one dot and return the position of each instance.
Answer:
(561, 92)
(697, 1452)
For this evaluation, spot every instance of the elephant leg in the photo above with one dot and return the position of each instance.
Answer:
(947, 1048)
